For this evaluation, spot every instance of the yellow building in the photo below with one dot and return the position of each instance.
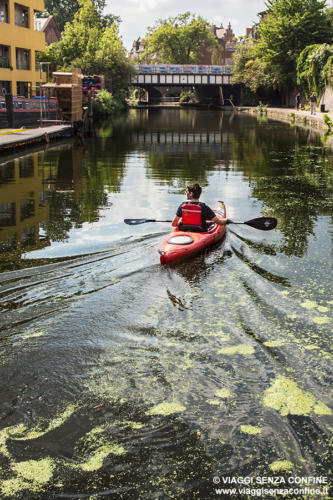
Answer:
(19, 42)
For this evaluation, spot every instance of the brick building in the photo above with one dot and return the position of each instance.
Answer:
(227, 44)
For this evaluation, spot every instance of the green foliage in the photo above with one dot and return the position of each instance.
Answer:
(64, 11)
(185, 96)
(178, 40)
(314, 68)
(106, 104)
(95, 49)
(262, 108)
(138, 93)
(289, 27)
(248, 68)
(328, 122)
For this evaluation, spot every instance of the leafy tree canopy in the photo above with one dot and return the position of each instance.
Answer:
(94, 48)
(288, 27)
(65, 10)
(315, 68)
(248, 68)
(178, 40)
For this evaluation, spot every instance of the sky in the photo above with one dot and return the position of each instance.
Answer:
(137, 15)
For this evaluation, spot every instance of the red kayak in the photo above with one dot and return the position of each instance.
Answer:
(180, 244)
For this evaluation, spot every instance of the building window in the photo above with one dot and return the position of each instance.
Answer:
(7, 214)
(4, 56)
(22, 59)
(27, 209)
(5, 88)
(21, 15)
(26, 167)
(3, 11)
(7, 173)
(23, 89)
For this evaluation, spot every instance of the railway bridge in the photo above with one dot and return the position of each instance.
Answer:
(210, 83)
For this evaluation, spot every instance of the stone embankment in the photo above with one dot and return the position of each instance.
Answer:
(290, 115)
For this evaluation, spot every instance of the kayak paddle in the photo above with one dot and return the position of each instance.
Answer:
(135, 222)
(263, 223)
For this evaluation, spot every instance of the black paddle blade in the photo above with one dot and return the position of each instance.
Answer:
(134, 222)
(263, 223)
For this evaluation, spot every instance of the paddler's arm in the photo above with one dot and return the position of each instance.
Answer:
(175, 221)
(219, 221)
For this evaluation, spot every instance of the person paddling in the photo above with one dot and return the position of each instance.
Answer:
(192, 215)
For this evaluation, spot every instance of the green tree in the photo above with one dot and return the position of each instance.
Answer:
(315, 68)
(248, 68)
(178, 40)
(288, 27)
(65, 10)
(94, 48)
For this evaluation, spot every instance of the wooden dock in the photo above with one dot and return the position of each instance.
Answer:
(13, 138)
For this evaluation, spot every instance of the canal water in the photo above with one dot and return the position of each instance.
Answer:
(122, 378)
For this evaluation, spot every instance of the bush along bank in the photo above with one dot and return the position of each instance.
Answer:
(106, 104)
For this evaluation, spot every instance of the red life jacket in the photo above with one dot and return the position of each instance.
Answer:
(192, 214)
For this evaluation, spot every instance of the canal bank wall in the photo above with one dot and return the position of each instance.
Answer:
(292, 116)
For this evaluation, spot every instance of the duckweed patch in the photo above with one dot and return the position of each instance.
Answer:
(223, 393)
(245, 349)
(39, 471)
(96, 461)
(286, 397)
(322, 309)
(321, 320)
(215, 402)
(250, 429)
(10, 487)
(280, 465)
(274, 343)
(309, 304)
(134, 425)
(21, 433)
(33, 335)
(166, 409)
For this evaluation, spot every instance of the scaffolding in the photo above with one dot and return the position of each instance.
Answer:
(67, 88)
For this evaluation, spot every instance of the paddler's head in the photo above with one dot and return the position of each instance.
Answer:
(193, 192)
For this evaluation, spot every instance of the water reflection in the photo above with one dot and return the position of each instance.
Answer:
(47, 194)
(22, 209)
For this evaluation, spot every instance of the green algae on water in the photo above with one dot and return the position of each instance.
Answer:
(21, 433)
(321, 320)
(39, 471)
(31, 475)
(250, 429)
(223, 393)
(10, 487)
(274, 343)
(33, 335)
(215, 402)
(95, 462)
(244, 349)
(286, 397)
(309, 304)
(166, 409)
(279, 465)
(322, 309)
(133, 425)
